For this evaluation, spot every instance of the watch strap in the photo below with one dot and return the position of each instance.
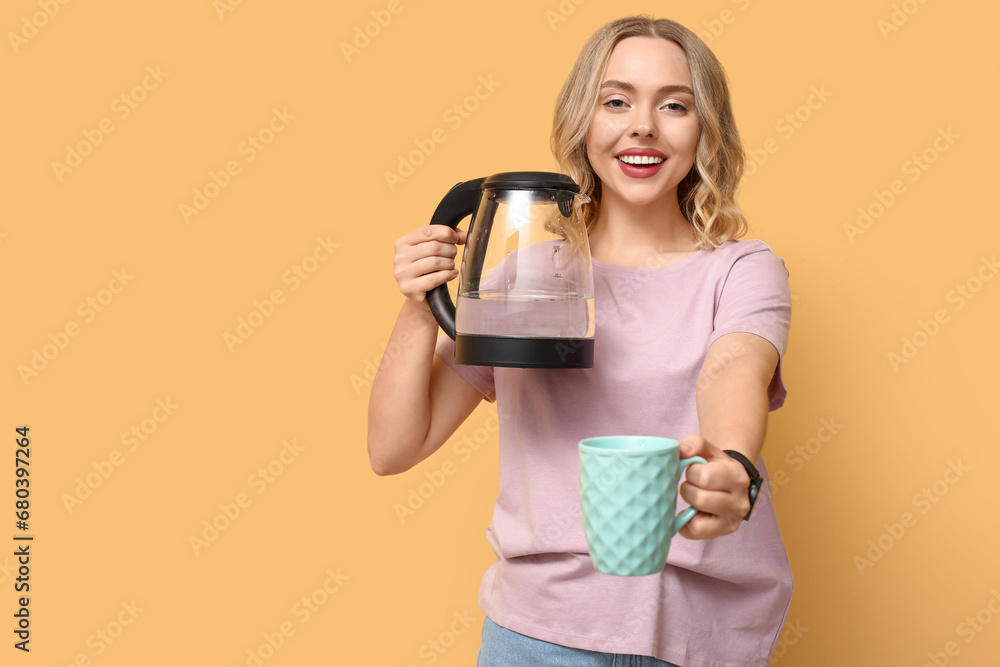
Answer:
(755, 478)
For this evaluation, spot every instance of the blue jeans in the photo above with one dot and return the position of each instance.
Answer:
(504, 648)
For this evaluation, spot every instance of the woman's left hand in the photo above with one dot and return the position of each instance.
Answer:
(718, 489)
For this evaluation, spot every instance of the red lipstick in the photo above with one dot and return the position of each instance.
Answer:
(641, 170)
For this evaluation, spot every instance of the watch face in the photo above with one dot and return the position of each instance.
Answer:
(755, 484)
(756, 481)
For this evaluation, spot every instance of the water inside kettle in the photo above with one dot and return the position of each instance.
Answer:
(525, 315)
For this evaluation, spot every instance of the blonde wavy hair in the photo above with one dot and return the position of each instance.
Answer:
(707, 194)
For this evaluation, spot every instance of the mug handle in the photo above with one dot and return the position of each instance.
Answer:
(681, 519)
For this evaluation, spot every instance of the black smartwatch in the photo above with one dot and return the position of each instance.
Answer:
(755, 479)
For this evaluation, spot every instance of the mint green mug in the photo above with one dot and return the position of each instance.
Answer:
(628, 485)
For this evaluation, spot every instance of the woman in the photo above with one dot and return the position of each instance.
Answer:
(691, 327)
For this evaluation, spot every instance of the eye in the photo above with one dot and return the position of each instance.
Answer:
(675, 106)
(615, 103)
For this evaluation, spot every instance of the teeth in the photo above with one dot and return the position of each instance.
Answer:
(640, 159)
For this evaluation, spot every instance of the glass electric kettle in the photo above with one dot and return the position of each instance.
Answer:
(526, 286)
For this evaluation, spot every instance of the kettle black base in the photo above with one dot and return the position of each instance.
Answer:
(509, 351)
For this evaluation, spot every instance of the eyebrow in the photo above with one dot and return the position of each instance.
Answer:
(629, 88)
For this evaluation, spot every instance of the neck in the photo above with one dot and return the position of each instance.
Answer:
(632, 234)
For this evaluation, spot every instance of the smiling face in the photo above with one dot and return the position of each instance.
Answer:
(644, 134)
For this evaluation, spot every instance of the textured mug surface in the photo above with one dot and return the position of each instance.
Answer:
(628, 486)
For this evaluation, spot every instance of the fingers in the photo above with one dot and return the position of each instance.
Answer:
(416, 278)
(425, 258)
(418, 286)
(693, 445)
(441, 233)
(718, 490)
(718, 474)
(719, 514)
(414, 253)
(718, 503)
(708, 526)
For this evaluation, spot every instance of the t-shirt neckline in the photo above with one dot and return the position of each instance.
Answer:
(634, 270)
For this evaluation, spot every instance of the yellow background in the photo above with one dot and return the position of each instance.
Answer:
(302, 375)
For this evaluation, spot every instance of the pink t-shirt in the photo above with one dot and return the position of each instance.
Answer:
(719, 602)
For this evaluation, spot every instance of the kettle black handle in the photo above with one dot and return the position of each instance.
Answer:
(461, 200)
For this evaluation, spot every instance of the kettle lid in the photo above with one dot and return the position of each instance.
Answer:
(530, 180)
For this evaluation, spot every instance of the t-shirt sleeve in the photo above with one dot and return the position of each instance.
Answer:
(480, 377)
(756, 298)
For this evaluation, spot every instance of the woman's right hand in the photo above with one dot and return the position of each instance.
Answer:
(425, 258)
(417, 400)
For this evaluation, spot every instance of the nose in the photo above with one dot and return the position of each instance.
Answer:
(643, 123)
